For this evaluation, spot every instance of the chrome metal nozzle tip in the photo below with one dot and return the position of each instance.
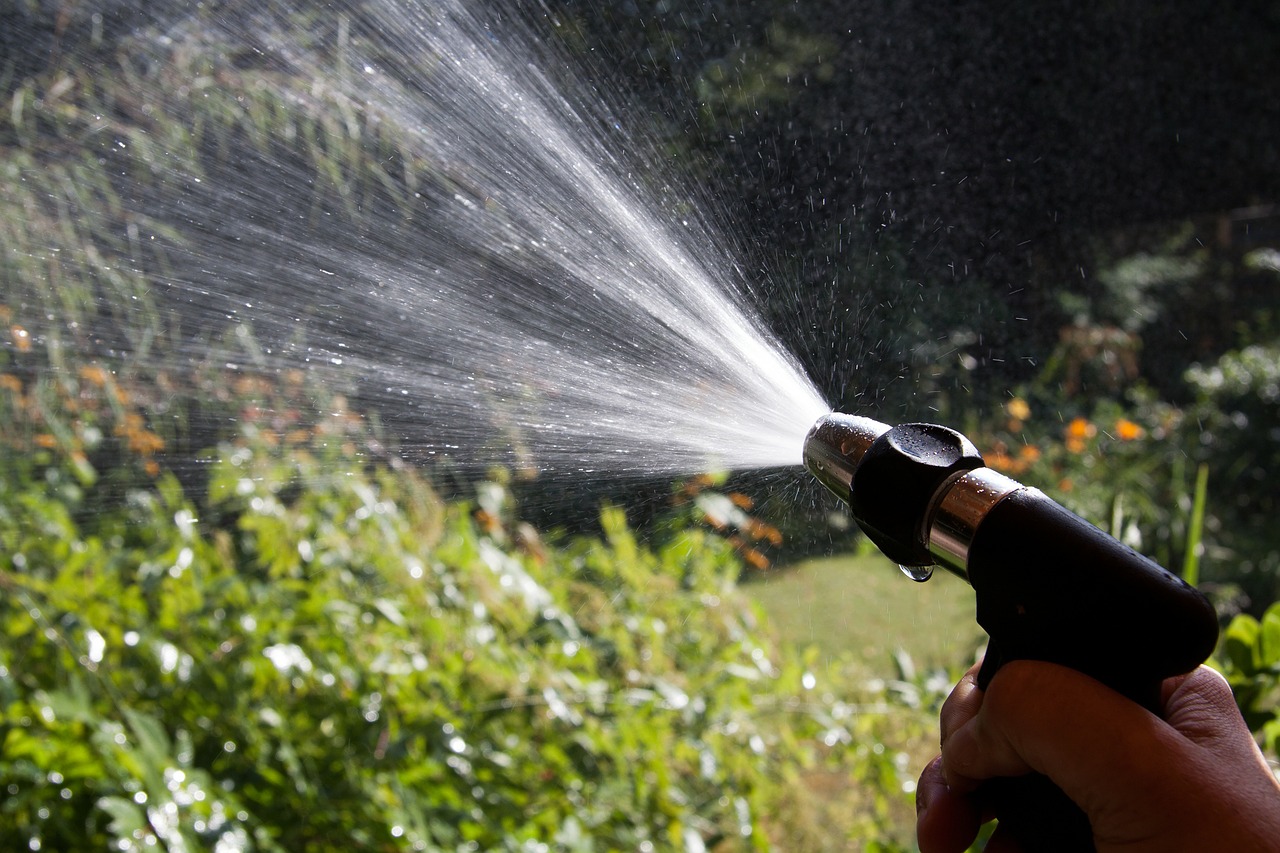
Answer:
(834, 447)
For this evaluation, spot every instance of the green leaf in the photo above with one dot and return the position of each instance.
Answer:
(1240, 643)
(1269, 639)
(128, 821)
(152, 740)
(388, 608)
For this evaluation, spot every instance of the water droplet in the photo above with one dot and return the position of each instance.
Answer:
(919, 574)
(97, 645)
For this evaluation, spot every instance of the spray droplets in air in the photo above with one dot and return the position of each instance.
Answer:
(543, 298)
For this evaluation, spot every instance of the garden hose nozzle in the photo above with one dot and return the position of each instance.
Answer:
(1049, 586)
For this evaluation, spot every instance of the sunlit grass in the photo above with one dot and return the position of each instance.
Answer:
(862, 606)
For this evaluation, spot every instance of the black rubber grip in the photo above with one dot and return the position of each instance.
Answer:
(1052, 587)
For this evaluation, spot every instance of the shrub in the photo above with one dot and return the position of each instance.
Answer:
(1236, 412)
(321, 654)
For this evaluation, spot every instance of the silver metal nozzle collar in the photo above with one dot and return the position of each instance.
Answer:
(955, 517)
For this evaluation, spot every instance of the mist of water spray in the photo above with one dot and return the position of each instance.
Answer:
(549, 301)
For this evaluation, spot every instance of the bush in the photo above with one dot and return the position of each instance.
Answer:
(1236, 411)
(321, 654)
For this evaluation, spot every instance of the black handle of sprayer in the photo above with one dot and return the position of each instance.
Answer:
(1052, 587)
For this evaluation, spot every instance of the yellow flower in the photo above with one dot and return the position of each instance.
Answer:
(1018, 409)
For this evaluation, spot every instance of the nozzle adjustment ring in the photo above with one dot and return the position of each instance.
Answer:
(898, 481)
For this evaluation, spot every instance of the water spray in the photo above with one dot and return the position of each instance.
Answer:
(1049, 586)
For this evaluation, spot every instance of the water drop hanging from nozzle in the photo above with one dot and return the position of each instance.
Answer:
(919, 574)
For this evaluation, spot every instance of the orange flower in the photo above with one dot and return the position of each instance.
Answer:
(146, 443)
(759, 530)
(1127, 430)
(1001, 461)
(21, 338)
(1080, 429)
(487, 521)
(94, 375)
(131, 422)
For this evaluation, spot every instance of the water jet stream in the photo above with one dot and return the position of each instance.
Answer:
(540, 300)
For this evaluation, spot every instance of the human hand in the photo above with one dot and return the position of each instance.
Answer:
(1192, 780)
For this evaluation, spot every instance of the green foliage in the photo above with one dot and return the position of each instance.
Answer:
(755, 76)
(1195, 531)
(1139, 285)
(322, 655)
(1250, 659)
(1237, 407)
(101, 174)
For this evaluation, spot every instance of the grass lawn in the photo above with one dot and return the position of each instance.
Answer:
(858, 610)
(864, 607)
